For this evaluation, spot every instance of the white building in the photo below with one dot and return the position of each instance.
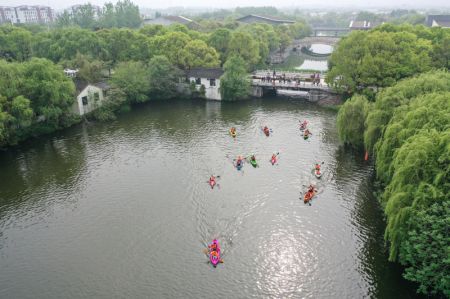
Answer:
(209, 78)
(89, 96)
(26, 14)
(8, 14)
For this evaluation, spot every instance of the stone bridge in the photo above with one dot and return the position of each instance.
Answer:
(307, 41)
(278, 57)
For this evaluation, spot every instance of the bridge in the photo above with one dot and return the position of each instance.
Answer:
(307, 41)
(333, 31)
(302, 85)
(279, 57)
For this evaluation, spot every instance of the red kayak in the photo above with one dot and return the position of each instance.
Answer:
(273, 160)
(212, 183)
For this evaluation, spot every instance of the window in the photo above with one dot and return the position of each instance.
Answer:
(212, 82)
(96, 96)
(84, 100)
(198, 81)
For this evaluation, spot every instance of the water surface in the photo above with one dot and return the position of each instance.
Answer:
(123, 209)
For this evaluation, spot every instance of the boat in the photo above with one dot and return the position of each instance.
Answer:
(317, 173)
(308, 196)
(233, 133)
(254, 163)
(266, 131)
(212, 183)
(273, 160)
(214, 254)
(239, 165)
(306, 134)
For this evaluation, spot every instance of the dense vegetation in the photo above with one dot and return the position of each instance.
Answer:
(366, 61)
(35, 98)
(407, 129)
(141, 64)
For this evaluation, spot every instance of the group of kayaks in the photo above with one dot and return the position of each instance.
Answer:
(305, 130)
(214, 248)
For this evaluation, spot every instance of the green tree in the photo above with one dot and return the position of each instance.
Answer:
(220, 40)
(234, 83)
(15, 43)
(51, 93)
(299, 30)
(377, 59)
(133, 79)
(84, 16)
(196, 53)
(350, 121)
(242, 44)
(426, 251)
(170, 45)
(163, 78)
(388, 100)
(127, 14)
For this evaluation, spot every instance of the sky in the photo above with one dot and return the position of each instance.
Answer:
(60, 4)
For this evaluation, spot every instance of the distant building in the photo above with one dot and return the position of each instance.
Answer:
(209, 78)
(438, 21)
(26, 14)
(260, 19)
(169, 20)
(363, 25)
(89, 96)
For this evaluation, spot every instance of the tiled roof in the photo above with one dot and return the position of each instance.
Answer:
(271, 19)
(440, 19)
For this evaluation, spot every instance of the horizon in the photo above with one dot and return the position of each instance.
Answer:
(232, 4)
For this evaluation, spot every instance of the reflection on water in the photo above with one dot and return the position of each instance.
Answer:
(321, 48)
(123, 209)
(316, 65)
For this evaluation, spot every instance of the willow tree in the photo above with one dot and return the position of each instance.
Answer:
(401, 94)
(350, 121)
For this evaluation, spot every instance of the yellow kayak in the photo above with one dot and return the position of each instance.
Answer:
(233, 134)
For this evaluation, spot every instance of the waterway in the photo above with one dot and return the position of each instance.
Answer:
(123, 209)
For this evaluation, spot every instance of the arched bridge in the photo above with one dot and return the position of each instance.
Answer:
(307, 41)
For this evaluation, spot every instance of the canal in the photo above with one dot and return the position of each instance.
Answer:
(123, 209)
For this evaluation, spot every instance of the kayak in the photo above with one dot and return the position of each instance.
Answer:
(273, 160)
(233, 134)
(317, 173)
(214, 255)
(212, 183)
(254, 163)
(267, 132)
(305, 136)
(308, 196)
(239, 166)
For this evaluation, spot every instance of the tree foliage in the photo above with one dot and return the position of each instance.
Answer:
(350, 120)
(234, 83)
(377, 59)
(133, 79)
(408, 130)
(35, 97)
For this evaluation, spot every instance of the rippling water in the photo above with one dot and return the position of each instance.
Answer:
(123, 209)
